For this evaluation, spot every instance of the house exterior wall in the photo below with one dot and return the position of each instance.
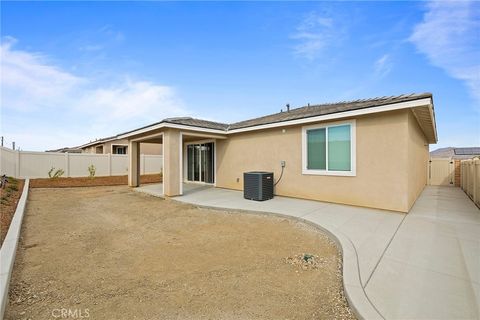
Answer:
(382, 166)
(145, 148)
(418, 157)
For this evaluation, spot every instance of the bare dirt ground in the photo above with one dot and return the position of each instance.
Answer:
(111, 253)
(9, 197)
(90, 182)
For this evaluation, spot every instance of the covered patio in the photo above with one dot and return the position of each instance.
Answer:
(189, 155)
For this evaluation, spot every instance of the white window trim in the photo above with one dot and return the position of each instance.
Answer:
(353, 145)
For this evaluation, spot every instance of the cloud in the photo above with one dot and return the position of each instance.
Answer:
(51, 101)
(383, 66)
(449, 37)
(28, 81)
(132, 99)
(314, 34)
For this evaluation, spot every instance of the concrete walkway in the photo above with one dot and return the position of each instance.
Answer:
(422, 265)
(431, 270)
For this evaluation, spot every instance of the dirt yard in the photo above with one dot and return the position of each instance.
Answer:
(9, 197)
(112, 253)
(90, 182)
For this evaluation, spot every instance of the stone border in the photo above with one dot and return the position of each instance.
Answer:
(9, 248)
(356, 296)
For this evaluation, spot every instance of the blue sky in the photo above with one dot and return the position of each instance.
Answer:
(72, 72)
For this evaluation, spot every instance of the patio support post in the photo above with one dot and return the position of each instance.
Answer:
(133, 163)
(171, 163)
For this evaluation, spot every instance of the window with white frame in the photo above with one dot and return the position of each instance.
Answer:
(329, 149)
(119, 149)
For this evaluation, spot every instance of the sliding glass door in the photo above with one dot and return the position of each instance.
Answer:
(201, 162)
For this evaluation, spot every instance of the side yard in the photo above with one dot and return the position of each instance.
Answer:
(116, 254)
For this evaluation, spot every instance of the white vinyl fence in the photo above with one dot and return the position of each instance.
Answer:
(30, 164)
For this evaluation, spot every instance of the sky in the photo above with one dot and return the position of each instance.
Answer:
(72, 72)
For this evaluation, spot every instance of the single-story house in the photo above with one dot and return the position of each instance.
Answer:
(113, 145)
(371, 152)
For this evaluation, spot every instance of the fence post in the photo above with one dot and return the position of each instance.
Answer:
(474, 191)
(17, 164)
(109, 164)
(471, 179)
(67, 165)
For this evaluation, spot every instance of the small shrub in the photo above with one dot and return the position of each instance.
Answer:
(56, 174)
(12, 187)
(307, 257)
(91, 170)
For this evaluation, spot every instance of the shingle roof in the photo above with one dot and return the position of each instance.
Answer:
(473, 151)
(456, 153)
(300, 113)
(292, 114)
(328, 108)
(197, 123)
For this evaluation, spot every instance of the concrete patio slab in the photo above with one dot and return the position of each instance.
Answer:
(424, 265)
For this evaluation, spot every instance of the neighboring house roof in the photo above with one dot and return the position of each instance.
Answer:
(426, 117)
(456, 153)
(98, 141)
(473, 151)
(442, 153)
(66, 149)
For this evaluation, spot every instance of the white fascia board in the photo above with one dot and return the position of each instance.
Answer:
(432, 115)
(339, 115)
(170, 125)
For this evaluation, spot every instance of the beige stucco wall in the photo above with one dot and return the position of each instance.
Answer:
(171, 160)
(418, 156)
(382, 150)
